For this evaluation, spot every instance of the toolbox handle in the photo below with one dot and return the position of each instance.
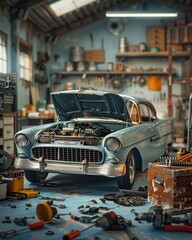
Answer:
(159, 181)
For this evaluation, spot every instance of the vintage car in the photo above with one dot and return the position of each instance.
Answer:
(96, 133)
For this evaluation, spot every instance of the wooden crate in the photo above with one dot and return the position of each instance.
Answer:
(96, 55)
(156, 37)
(170, 186)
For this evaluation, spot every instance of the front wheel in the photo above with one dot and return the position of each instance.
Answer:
(35, 177)
(126, 181)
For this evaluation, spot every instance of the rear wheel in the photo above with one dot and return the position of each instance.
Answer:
(35, 177)
(126, 181)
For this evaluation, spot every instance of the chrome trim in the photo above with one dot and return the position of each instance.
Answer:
(67, 154)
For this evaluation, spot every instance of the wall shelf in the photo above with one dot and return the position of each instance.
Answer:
(152, 54)
(110, 73)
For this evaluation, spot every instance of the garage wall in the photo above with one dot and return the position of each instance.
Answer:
(24, 31)
(135, 32)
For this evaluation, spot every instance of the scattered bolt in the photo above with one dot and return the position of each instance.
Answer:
(50, 232)
(28, 204)
(93, 201)
(136, 215)
(102, 200)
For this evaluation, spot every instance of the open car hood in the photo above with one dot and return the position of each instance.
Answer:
(78, 104)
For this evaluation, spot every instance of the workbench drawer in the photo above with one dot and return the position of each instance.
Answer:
(8, 120)
(9, 146)
(170, 186)
(8, 132)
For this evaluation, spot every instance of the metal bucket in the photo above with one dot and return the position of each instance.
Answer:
(76, 54)
(69, 67)
(123, 45)
(80, 66)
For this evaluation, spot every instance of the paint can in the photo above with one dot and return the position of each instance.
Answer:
(69, 86)
(142, 47)
(76, 54)
(110, 66)
(123, 45)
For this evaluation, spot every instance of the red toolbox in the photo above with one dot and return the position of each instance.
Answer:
(170, 186)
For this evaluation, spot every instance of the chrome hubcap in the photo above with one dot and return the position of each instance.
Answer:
(131, 168)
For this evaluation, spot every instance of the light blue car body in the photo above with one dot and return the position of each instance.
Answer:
(90, 125)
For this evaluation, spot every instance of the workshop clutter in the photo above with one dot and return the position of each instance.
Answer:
(84, 60)
(99, 213)
(32, 226)
(41, 109)
(167, 219)
(14, 181)
(48, 212)
(108, 221)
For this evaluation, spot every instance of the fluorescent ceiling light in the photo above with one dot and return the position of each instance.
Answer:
(65, 6)
(140, 14)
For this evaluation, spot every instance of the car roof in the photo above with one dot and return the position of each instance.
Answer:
(82, 91)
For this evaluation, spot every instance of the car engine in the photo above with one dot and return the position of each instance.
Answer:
(87, 133)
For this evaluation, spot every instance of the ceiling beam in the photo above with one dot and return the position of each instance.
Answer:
(76, 25)
(29, 4)
(94, 15)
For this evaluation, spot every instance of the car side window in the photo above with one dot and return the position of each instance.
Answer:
(152, 114)
(147, 113)
(133, 111)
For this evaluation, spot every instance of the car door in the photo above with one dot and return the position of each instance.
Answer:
(148, 115)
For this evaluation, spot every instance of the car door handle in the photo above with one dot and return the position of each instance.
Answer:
(155, 137)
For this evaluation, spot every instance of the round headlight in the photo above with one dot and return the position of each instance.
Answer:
(113, 144)
(21, 140)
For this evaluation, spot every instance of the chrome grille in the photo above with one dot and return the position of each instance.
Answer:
(67, 154)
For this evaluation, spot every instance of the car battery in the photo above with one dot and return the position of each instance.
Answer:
(170, 186)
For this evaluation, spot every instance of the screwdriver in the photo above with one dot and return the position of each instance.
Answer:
(108, 221)
(32, 226)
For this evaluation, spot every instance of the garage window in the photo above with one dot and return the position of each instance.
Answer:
(25, 61)
(3, 52)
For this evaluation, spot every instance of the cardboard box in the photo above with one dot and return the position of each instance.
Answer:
(134, 48)
(170, 186)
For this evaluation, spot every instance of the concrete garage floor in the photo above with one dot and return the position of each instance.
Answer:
(76, 191)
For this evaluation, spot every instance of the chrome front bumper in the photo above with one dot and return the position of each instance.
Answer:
(109, 170)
